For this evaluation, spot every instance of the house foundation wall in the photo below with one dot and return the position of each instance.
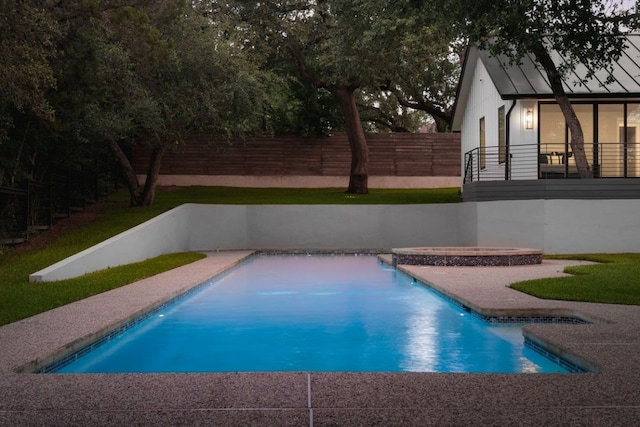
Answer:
(556, 226)
(553, 226)
(552, 189)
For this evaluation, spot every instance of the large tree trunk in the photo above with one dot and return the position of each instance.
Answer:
(129, 174)
(577, 136)
(359, 175)
(146, 195)
(149, 192)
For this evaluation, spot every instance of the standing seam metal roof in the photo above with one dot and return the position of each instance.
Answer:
(528, 80)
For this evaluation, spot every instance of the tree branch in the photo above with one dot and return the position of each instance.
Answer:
(421, 105)
(304, 70)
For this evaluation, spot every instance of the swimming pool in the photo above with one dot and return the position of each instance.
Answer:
(312, 313)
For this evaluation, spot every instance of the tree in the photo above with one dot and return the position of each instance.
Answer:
(588, 32)
(432, 90)
(298, 107)
(27, 43)
(152, 73)
(27, 38)
(320, 38)
(343, 47)
(428, 67)
(382, 112)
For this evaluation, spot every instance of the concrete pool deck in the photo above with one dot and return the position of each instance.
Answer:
(608, 397)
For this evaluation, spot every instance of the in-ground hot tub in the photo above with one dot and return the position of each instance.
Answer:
(466, 256)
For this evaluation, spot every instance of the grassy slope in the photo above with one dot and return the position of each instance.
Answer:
(20, 299)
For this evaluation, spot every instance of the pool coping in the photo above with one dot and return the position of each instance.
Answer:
(610, 344)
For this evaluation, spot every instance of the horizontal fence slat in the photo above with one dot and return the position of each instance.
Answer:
(390, 154)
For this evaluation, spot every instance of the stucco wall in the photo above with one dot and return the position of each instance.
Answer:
(193, 227)
(589, 226)
(506, 223)
(554, 226)
(166, 233)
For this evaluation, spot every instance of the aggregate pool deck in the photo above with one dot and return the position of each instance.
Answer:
(609, 397)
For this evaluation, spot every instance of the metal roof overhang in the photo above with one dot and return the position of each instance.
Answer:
(527, 80)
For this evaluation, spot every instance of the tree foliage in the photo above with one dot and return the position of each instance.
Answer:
(27, 36)
(426, 67)
(123, 73)
(84, 79)
(381, 111)
(351, 49)
(298, 107)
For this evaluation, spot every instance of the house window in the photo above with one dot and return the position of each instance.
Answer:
(618, 140)
(611, 140)
(555, 149)
(553, 131)
(502, 136)
(483, 145)
(585, 113)
(630, 150)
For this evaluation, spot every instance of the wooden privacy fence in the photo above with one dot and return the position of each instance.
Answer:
(390, 154)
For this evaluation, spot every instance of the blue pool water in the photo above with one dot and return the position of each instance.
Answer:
(313, 313)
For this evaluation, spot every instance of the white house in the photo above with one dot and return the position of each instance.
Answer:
(513, 130)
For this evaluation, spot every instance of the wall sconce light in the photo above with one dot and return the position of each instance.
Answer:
(528, 118)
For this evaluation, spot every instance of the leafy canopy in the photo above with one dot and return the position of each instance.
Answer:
(585, 32)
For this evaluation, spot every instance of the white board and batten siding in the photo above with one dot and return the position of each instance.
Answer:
(484, 101)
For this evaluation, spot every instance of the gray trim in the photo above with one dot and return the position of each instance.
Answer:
(591, 189)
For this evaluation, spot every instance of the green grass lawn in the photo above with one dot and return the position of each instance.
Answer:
(20, 299)
(616, 280)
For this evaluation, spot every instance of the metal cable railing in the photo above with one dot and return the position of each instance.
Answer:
(550, 161)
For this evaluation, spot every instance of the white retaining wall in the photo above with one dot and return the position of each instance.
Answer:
(554, 226)
(166, 233)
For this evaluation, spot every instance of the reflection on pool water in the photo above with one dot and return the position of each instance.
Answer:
(340, 313)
